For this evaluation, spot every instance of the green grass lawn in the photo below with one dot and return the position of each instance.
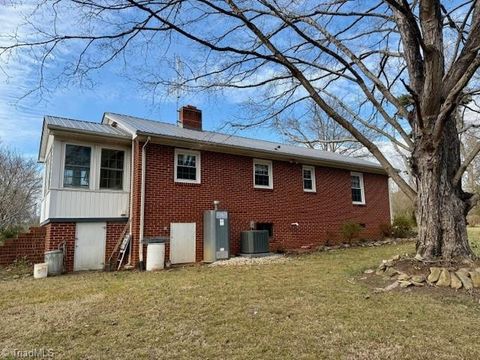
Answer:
(314, 306)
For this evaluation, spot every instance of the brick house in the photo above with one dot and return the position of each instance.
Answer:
(147, 178)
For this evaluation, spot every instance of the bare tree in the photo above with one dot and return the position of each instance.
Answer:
(317, 131)
(20, 185)
(360, 55)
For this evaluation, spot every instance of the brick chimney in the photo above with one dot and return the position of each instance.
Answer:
(191, 117)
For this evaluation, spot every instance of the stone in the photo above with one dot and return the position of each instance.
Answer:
(419, 278)
(434, 274)
(475, 276)
(405, 284)
(444, 279)
(466, 282)
(392, 286)
(419, 284)
(418, 257)
(369, 271)
(379, 272)
(455, 282)
(390, 272)
(388, 263)
(395, 258)
(403, 277)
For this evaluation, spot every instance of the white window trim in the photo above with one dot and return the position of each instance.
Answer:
(270, 173)
(92, 172)
(362, 188)
(198, 165)
(95, 162)
(314, 182)
(124, 171)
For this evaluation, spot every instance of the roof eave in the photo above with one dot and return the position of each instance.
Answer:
(246, 151)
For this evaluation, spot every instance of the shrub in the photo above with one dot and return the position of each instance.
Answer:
(350, 230)
(402, 226)
(386, 230)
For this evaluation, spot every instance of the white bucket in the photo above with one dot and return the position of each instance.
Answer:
(40, 270)
(155, 256)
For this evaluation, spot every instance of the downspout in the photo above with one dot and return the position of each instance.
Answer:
(142, 203)
(132, 169)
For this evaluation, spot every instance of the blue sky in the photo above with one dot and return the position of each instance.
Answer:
(114, 90)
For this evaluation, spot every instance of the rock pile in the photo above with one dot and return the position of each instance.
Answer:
(464, 277)
(467, 278)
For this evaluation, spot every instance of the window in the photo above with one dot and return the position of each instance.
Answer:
(262, 174)
(111, 169)
(358, 193)
(265, 226)
(309, 179)
(187, 166)
(77, 166)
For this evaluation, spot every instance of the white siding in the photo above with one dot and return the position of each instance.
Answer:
(60, 202)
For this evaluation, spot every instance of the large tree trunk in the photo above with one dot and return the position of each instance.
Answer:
(441, 206)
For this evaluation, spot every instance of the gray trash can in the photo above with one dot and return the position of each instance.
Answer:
(54, 260)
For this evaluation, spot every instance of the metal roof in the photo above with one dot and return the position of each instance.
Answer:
(54, 122)
(77, 126)
(139, 126)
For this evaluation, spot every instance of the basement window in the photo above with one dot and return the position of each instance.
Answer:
(187, 166)
(309, 179)
(265, 226)
(262, 174)
(111, 169)
(358, 190)
(77, 166)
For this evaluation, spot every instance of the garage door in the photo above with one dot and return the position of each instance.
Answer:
(90, 246)
(182, 243)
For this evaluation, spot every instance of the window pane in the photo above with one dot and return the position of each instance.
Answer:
(76, 176)
(111, 179)
(261, 175)
(357, 195)
(111, 170)
(186, 160)
(112, 159)
(307, 179)
(307, 174)
(307, 184)
(355, 182)
(186, 173)
(77, 155)
(77, 166)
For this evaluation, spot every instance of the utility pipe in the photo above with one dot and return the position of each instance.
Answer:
(142, 203)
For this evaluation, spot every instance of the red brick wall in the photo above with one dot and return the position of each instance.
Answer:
(29, 245)
(229, 178)
(56, 234)
(114, 231)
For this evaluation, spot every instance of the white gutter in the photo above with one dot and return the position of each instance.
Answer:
(142, 203)
(132, 164)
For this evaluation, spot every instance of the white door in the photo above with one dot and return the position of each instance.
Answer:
(90, 246)
(182, 243)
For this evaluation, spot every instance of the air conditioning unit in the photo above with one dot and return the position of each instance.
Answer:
(254, 242)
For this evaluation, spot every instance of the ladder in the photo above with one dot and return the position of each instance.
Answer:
(121, 241)
(123, 250)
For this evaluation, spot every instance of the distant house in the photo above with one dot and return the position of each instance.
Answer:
(152, 179)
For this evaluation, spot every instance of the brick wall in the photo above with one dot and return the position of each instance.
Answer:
(229, 179)
(114, 231)
(56, 234)
(30, 245)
